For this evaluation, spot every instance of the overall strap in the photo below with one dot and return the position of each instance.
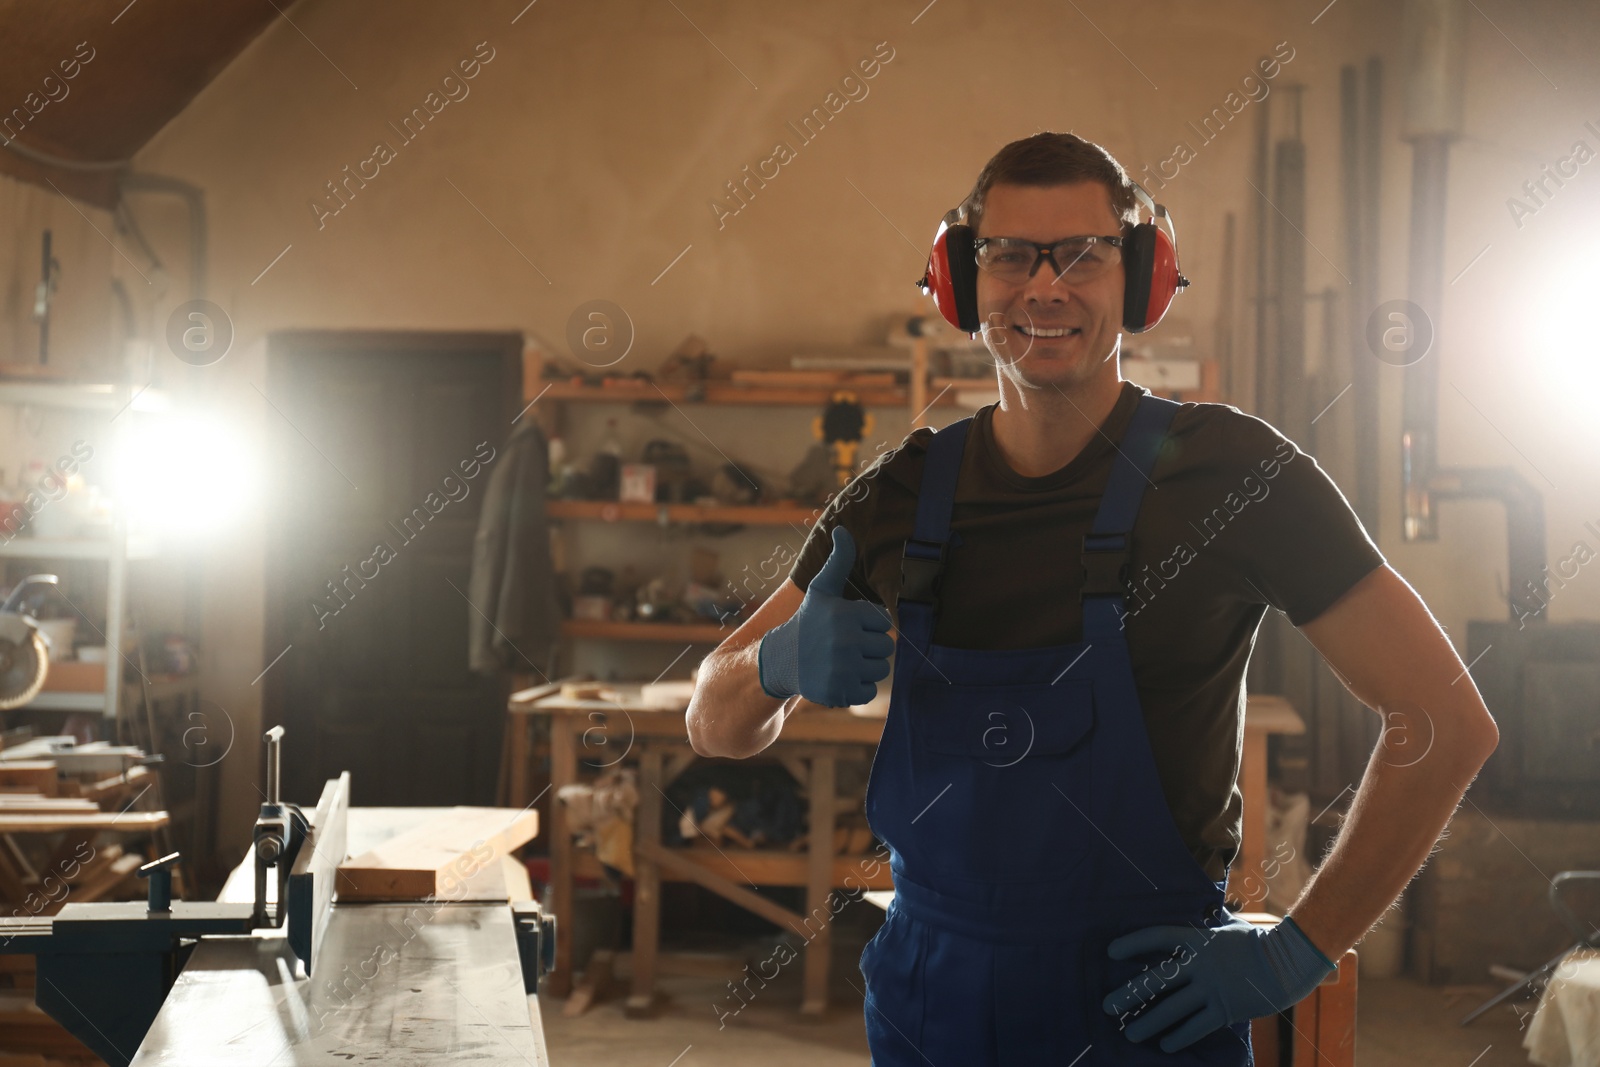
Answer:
(925, 548)
(1106, 546)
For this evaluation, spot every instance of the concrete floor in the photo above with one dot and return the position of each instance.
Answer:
(1401, 1023)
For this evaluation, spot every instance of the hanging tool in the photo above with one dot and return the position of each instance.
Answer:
(49, 276)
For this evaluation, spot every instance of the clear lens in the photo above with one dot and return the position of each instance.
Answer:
(1012, 259)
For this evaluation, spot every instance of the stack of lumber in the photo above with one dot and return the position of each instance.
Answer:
(59, 801)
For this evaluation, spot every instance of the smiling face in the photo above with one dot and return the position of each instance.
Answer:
(1047, 332)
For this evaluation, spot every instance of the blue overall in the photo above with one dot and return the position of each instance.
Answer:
(1027, 826)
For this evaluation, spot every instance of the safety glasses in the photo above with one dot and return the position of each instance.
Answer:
(1014, 260)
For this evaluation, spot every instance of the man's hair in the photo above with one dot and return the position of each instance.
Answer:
(1048, 159)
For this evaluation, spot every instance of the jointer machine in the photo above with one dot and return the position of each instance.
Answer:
(286, 973)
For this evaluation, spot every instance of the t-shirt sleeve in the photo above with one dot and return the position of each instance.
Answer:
(1305, 546)
(850, 508)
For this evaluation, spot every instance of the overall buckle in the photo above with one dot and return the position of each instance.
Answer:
(920, 564)
(1105, 565)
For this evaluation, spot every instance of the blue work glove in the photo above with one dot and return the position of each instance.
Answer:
(1220, 976)
(832, 651)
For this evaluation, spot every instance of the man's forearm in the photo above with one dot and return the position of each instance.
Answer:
(730, 714)
(1403, 804)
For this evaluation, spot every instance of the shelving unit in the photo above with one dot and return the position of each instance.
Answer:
(609, 511)
(1177, 379)
(555, 395)
(117, 402)
(74, 549)
(715, 392)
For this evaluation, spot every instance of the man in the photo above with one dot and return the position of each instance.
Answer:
(1056, 781)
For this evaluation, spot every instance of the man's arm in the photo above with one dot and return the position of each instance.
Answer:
(817, 644)
(729, 713)
(1386, 647)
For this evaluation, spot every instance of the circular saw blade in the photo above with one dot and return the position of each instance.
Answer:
(23, 664)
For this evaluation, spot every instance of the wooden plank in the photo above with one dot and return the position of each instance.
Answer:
(29, 776)
(563, 771)
(116, 785)
(838, 379)
(819, 886)
(708, 633)
(1304, 1018)
(93, 757)
(775, 867)
(315, 870)
(714, 392)
(33, 804)
(646, 884)
(126, 822)
(519, 887)
(674, 860)
(1336, 1027)
(74, 676)
(432, 858)
(811, 723)
(536, 692)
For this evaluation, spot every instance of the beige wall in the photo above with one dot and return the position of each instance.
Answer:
(82, 330)
(598, 135)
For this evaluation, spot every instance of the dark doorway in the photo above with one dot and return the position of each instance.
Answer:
(382, 448)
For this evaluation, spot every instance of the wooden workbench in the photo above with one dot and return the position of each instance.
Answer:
(657, 742)
(1263, 717)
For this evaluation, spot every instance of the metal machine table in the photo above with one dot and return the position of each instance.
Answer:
(404, 984)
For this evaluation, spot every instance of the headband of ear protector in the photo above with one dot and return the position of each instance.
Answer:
(1149, 263)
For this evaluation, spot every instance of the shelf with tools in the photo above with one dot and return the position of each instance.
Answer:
(747, 515)
(638, 390)
(53, 518)
(654, 519)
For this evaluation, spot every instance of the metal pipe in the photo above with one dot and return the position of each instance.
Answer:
(193, 198)
(1262, 165)
(1435, 41)
(1435, 47)
(1425, 283)
(1525, 532)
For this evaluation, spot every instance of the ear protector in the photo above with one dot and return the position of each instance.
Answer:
(1149, 263)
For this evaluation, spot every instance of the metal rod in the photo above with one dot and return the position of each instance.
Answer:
(274, 739)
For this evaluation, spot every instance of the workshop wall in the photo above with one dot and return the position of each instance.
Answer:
(589, 155)
(82, 331)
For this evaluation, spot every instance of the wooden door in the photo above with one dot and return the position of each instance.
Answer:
(382, 448)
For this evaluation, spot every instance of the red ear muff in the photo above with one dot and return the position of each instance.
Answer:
(1150, 272)
(1149, 260)
(952, 276)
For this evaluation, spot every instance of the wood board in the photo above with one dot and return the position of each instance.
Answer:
(126, 822)
(435, 858)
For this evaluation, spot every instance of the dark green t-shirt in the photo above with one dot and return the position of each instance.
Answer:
(1238, 519)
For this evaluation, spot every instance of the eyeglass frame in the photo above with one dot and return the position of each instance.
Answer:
(1043, 252)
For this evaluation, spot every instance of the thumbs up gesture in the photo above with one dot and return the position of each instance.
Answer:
(832, 651)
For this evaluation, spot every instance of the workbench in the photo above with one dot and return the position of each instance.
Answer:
(657, 743)
(411, 983)
(1264, 715)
